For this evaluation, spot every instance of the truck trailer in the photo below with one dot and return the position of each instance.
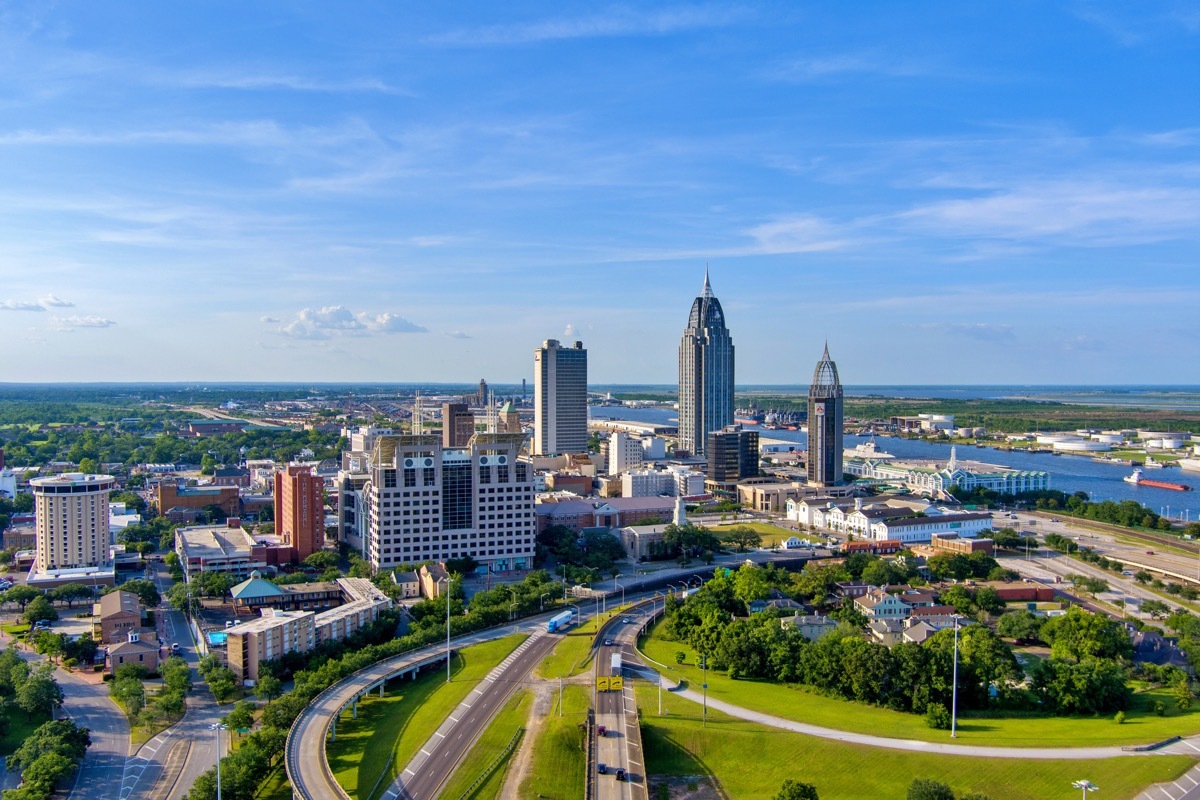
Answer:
(616, 665)
(561, 621)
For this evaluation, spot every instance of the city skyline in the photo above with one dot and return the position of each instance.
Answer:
(227, 193)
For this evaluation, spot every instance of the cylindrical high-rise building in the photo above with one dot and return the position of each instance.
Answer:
(72, 520)
(825, 424)
(705, 373)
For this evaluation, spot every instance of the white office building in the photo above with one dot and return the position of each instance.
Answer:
(559, 399)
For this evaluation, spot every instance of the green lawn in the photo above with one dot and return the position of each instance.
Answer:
(17, 728)
(557, 769)
(678, 745)
(485, 751)
(573, 655)
(791, 701)
(771, 534)
(276, 786)
(360, 754)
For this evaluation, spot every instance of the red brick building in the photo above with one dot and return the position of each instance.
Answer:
(300, 509)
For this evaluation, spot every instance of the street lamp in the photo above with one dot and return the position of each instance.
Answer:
(954, 690)
(542, 601)
(445, 580)
(1087, 786)
(218, 727)
(622, 588)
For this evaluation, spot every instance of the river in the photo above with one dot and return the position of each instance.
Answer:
(1067, 473)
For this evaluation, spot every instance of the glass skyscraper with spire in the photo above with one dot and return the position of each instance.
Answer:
(825, 424)
(705, 373)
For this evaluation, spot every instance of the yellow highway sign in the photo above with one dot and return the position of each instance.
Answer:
(602, 684)
(616, 684)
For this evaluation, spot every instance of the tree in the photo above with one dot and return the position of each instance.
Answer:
(922, 789)
(1143, 577)
(147, 592)
(268, 688)
(1157, 609)
(70, 592)
(242, 715)
(21, 594)
(1079, 635)
(57, 736)
(794, 790)
(48, 770)
(208, 465)
(39, 609)
(322, 560)
(89, 466)
(742, 537)
(1022, 626)
(40, 694)
(222, 682)
(937, 717)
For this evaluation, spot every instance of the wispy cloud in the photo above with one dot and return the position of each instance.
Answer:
(329, 321)
(458, 335)
(798, 233)
(70, 323)
(259, 81)
(569, 331)
(41, 304)
(803, 70)
(613, 22)
(983, 331)
(20, 305)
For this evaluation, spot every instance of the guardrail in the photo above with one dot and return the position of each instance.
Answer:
(589, 785)
(495, 763)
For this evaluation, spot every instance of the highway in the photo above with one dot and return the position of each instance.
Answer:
(425, 775)
(621, 746)
(307, 765)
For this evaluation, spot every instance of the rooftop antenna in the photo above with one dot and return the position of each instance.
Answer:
(491, 411)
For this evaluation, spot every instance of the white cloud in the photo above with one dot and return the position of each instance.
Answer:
(50, 301)
(323, 323)
(70, 323)
(800, 233)
(984, 331)
(269, 320)
(458, 335)
(569, 331)
(610, 23)
(811, 69)
(20, 305)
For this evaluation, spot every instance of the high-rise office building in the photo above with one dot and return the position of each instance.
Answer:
(300, 509)
(72, 520)
(458, 425)
(825, 424)
(422, 502)
(559, 399)
(705, 373)
(732, 456)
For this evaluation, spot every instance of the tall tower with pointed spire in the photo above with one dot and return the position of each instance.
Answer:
(825, 424)
(705, 373)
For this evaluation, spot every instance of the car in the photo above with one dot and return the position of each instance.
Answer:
(620, 773)
(601, 769)
(175, 647)
(229, 623)
(601, 730)
(1149, 552)
(627, 621)
(1127, 573)
(608, 642)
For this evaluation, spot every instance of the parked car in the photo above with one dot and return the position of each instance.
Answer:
(175, 647)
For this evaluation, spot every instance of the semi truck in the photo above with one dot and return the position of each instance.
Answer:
(561, 621)
(616, 665)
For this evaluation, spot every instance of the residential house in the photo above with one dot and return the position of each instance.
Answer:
(811, 627)
(116, 616)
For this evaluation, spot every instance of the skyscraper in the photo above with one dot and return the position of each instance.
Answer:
(559, 399)
(300, 509)
(825, 424)
(705, 373)
(732, 456)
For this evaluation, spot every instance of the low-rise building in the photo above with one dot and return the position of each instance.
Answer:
(217, 548)
(879, 604)
(172, 495)
(409, 583)
(115, 616)
(138, 648)
(811, 627)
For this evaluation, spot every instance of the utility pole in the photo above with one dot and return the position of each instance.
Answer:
(954, 692)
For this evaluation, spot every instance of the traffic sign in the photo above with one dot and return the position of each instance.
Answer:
(602, 684)
(616, 684)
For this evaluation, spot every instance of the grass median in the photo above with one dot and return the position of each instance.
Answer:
(574, 654)
(752, 761)
(484, 752)
(556, 771)
(394, 727)
(796, 702)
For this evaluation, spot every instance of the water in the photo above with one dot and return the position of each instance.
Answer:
(217, 638)
(1067, 473)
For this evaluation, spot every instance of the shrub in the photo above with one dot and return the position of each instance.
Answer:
(937, 717)
(1120, 718)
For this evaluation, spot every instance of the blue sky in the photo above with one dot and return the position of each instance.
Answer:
(949, 192)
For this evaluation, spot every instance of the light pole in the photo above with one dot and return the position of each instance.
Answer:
(1087, 786)
(622, 588)
(954, 690)
(704, 666)
(218, 727)
(446, 580)
(542, 601)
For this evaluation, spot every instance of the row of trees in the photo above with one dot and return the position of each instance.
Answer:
(129, 689)
(34, 691)
(1086, 672)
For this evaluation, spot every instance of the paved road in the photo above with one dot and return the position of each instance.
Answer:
(435, 763)
(170, 763)
(89, 706)
(307, 764)
(621, 745)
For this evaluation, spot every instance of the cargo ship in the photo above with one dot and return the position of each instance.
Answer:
(1189, 464)
(1137, 480)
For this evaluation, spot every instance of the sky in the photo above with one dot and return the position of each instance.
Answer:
(994, 192)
